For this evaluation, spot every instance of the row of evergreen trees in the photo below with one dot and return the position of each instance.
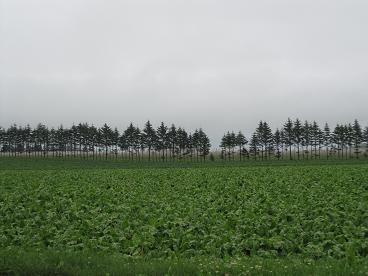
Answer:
(88, 141)
(297, 140)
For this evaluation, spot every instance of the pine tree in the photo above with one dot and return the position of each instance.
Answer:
(349, 138)
(278, 141)
(182, 139)
(232, 144)
(137, 140)
(315, 138)
(27, 139)
(306, 138)
(241, 141)
(254, 145)
(298, 135)
(365, 138)
(196, 143)
(289, 135)
(93, 138)
(267, 140)
(162, 139)
(260, 138)
(358, 137)
(327, 139)
(115, 136)
(224, 145)
(149, 138)
(2, 140)
(171, 137)
(106, 134)
(204, 144)
(339, 139)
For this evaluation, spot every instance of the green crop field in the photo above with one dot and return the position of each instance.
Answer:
(193, 220)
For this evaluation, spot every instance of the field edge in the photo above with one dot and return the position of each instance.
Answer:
(48, 262)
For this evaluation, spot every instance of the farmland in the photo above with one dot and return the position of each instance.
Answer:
(233, 214)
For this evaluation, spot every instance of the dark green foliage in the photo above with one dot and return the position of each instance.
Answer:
(294, 142)
(357, 137)
(289, 135)
(49, 262)
(298, 135)
(84, 141)
(309, 211)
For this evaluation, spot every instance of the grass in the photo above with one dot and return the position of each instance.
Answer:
(72, 263)
(39, 163)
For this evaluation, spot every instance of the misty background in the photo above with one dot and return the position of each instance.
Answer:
(220, 65)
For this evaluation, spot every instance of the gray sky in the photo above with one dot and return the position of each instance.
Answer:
(220, 65)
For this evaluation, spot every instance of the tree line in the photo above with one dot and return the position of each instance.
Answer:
(87, 141)
(296, 141)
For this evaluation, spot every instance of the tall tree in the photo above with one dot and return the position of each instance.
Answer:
(306, 138)
(241, 141)
(115, 136)
(267, 139)
(204, 144)
(232, 144)
(261, 142)
(224, 145)
(254, 145)
(298, 135)
(338, 137)
(196, 143)
(349, 132)
(2, 140)
(106, 138)
(182, 140)
(93, 138)
(289, 135)
(172, 140)
(162, 139)
(149, 138)
(358, 137)
(278, 141)
(365, 138)
(327, 139)
(315, 135)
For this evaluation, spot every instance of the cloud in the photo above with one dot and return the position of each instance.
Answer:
(219, 65)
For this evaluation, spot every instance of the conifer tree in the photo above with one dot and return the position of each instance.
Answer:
(106, 135)
(306, 138)
(241, 141)
(149, 138)
(224, 144)
(171, 140)
(2, 140)
(162, 139)
(298, 135)
(349, 138)
(182, 140)
(254, 145)
(267, 139)
(278, 141)
(289, 135)
(327, 139)
(358, 137)
(315, 138)
(365, 138)
(204, 144)
(260, 138)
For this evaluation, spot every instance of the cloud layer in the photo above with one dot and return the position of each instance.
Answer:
(214, 64)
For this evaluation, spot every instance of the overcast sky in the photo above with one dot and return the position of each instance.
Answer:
(219, 65)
